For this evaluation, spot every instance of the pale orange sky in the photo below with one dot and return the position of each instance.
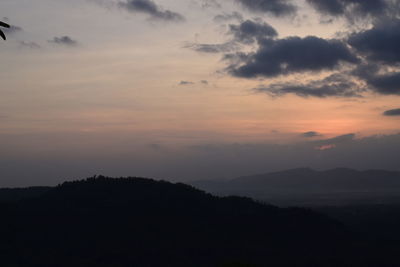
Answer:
(122, 80)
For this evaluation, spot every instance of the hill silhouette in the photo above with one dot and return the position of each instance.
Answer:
(305, 186)
(15, 194)
(141, 222)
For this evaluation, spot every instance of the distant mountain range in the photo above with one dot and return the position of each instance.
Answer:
(305, 186)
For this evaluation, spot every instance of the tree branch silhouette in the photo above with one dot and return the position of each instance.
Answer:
(5, 25)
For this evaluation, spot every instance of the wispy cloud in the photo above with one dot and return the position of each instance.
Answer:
(152, 9)
(64, 40)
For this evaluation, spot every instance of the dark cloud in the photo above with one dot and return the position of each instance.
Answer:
(205, 82)
(351, 8)
(381, 43)
(212, 48)
(379, 79)
(152, 9)
(311, 134)
(292, 54)
(387, 84)
(64, 40)
(186, 83)
(275, 7)
(331, 7)
(332, 86)
(365, 70)
(249, 31)
(392, 112)
(228, 17)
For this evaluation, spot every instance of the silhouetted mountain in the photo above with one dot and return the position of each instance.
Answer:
(15, 194)
(306, 186)
(141, 222)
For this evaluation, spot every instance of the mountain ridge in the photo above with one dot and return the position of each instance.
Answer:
(309, 183)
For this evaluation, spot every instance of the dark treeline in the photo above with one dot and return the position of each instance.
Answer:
(141, 222)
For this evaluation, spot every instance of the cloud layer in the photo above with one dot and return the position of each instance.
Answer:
(381, 43)
(249, 31)
(350, 7)
(392, 112)
(152, 9)
(64, 40)
(277, 8)
(333, 86)
(372, 54)
(293, 54)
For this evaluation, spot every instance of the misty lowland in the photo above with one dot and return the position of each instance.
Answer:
(200, 133)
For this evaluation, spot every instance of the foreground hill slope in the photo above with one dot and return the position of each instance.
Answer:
(142, 222)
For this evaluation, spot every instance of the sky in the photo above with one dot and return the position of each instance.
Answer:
(196, 89)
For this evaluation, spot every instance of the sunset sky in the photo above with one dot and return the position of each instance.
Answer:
(196, 89)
